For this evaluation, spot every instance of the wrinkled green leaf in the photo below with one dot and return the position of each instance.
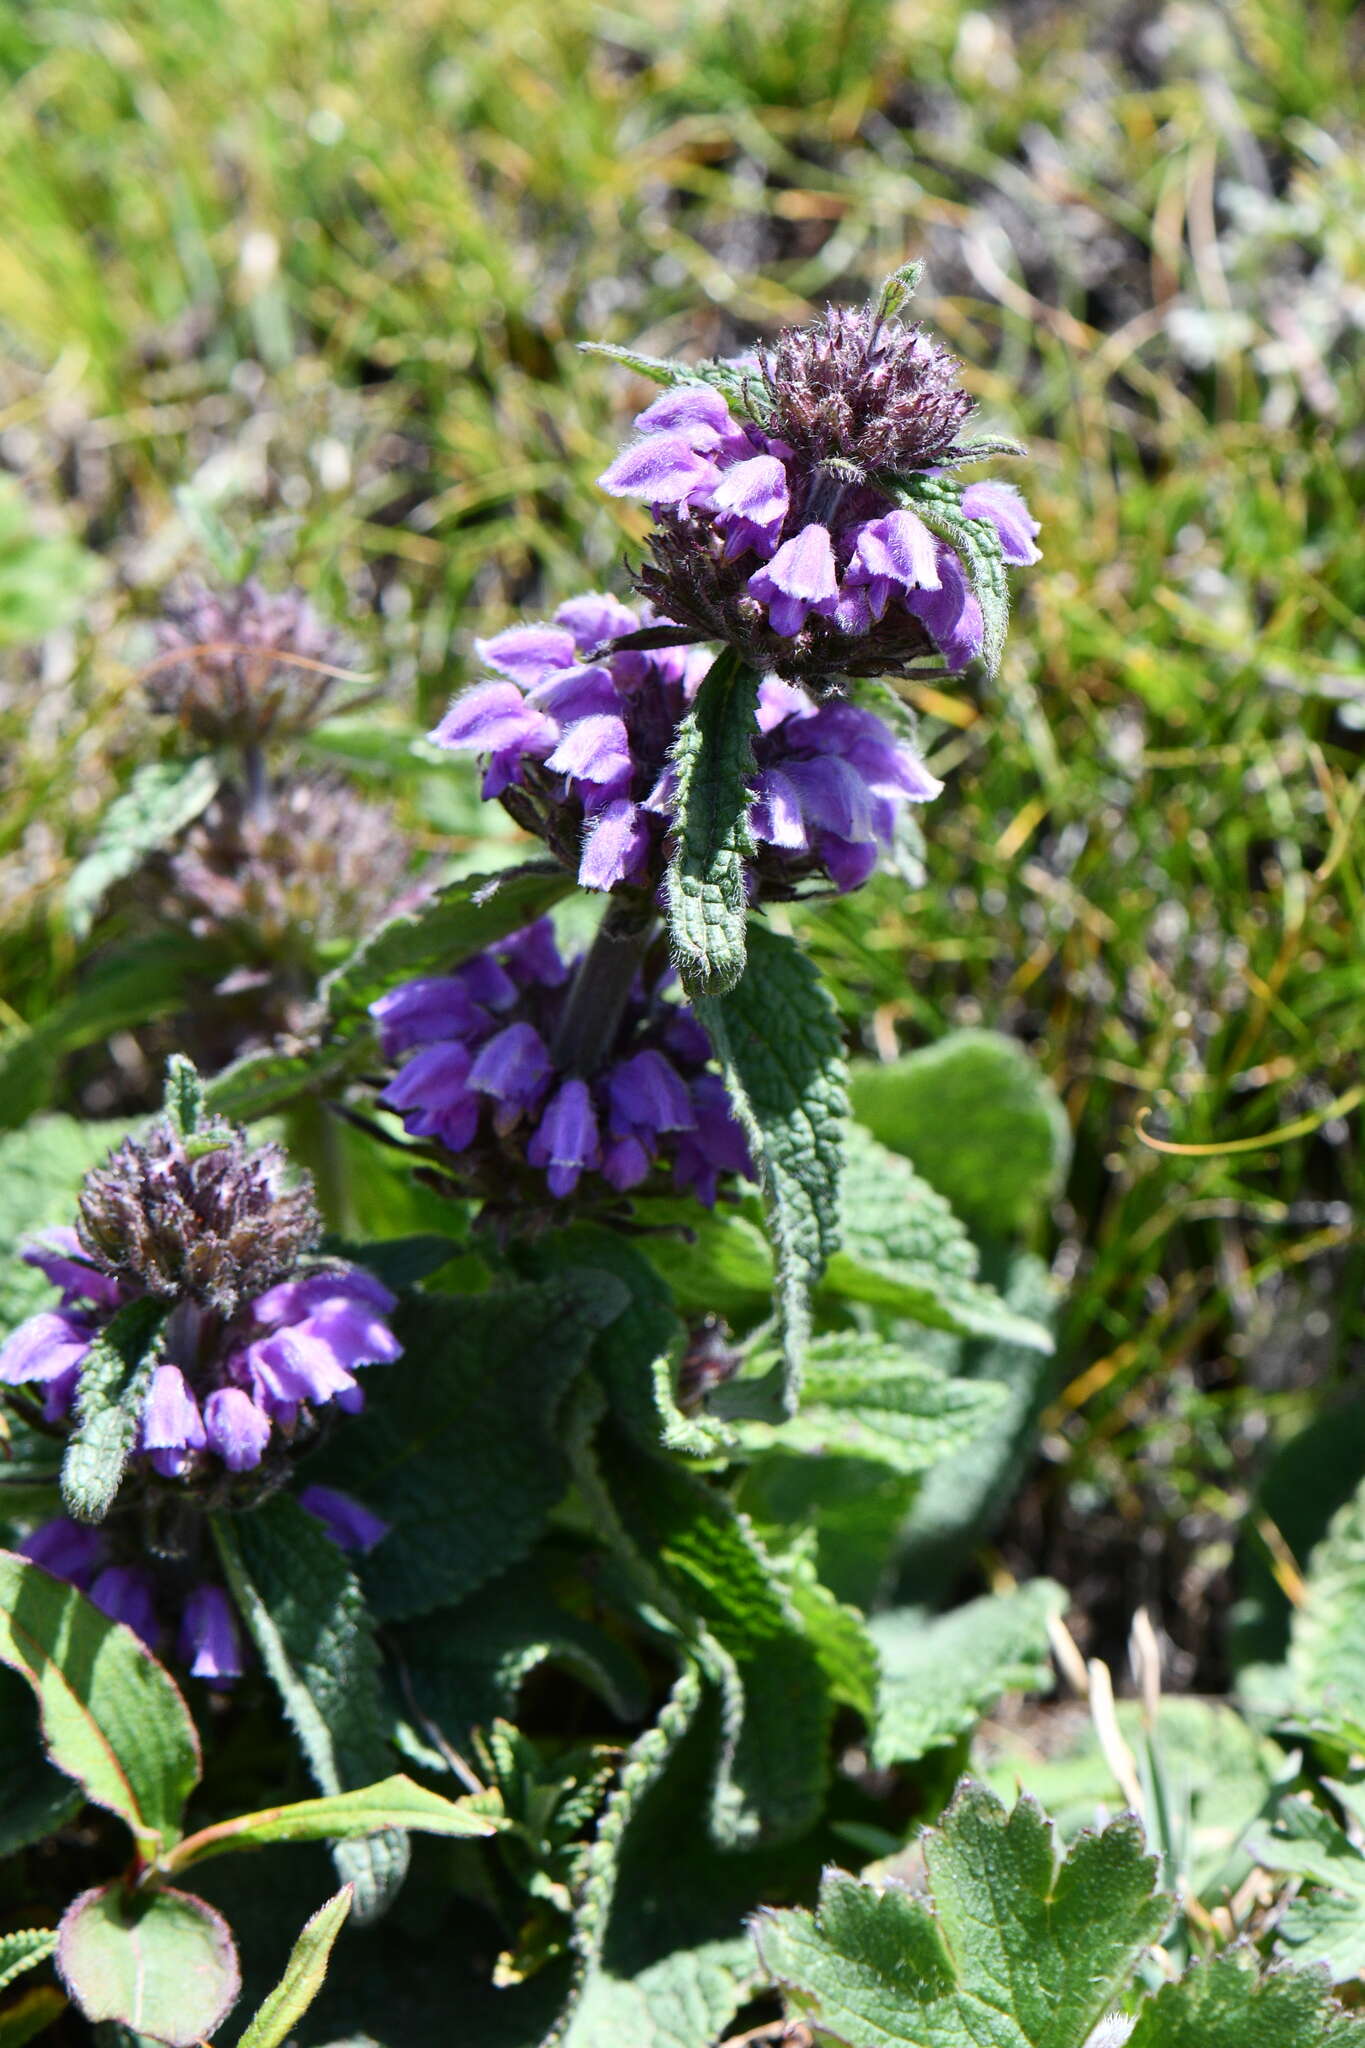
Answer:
(1223, 2004)
(460, 1452)
(115, 1376)
(1326, 1922)
(979, 1121)
(865, 1398)
(713, 759)
(778, 1041)
(940, 1673)
(260, 1083)
(24, 1950)
(160, 1962)
(160, 801)
(1010, 1949)
(112, 1718)
(395, 1802)
(303, 1978)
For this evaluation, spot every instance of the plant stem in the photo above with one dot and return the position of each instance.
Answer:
(601, 988)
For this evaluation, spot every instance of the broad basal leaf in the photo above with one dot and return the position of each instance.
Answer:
(460, 1452)
(112, 1718)
(1010, 1140)
(115, 1375)
(904, 1251)
(160, 801)
(159, 1962)
(1010, 1949)
(713, 760)
(778, 1041)
(303, 1978)
(1223, 2004)
(939, 1673)
(865, 1398)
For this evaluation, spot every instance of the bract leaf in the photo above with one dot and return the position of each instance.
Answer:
(713, 759)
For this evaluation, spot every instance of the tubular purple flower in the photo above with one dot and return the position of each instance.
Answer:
(69, 1550)
(799, 579)
(350, 1526)
(566, 1140)
(172, 1427)
(210, 1642)
(127, 1593)
(1003, 504)
(48, 1350)
(235, 1429)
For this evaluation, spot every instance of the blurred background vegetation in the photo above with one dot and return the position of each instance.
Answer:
(308, 279)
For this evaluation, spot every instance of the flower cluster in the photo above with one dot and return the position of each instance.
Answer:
(256, 1339)
(491, 1078)
(578, 737)
(243, 665)
(786, 533)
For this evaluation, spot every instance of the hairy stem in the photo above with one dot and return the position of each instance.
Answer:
(601, 988)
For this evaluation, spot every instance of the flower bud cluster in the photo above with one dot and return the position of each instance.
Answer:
(488, 1080)
(578, 739)
(242, 666)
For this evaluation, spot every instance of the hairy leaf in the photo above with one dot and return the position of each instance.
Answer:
(160, 1962)
(115, 1376)
(1007, 1137)
(940, 1673)
(160, 801)
(713, 760)
(1010, 1950)
(938, 502)
(1326, 1922)
(1222, 2003)
(309, 1621)
(260, 1083)
(778, 1041)
(865, 1398)
(906, 1252)
(395, 1802)
(24, 1950)
(303, 1978)
(460, 1451)
(453, 922)
(112, 1718)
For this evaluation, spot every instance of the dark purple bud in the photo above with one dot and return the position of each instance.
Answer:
(210, 1642)
(350, 1526)
(126, 1593)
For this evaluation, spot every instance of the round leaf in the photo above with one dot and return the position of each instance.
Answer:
(160, 1962)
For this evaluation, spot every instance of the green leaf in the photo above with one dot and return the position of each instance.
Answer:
(1223, 2004)
(658, 369)
(309, 1622)
(260, 1083)
(865, 1398)
(938, 502)
(1009, 1949)
(115, 1376)
(939, 1674)
(41, 1170)
(1326, 1923)
(160, 1962)
(160, 801)
(460, 1452)
(713, 759)
(713, 1579)
(778, 1041)
(447, 927)
(35, 1800)
(395, 1802)
(906, 1252)
(112, 1718)
(467, 1664)
(303, 1978)
(1327, 1636)
(44, 578)
(980, 1122)
(24, 1951)
(665, 1962)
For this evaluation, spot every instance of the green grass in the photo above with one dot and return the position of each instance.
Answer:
(328, 264)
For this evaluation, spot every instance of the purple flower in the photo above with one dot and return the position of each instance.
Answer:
(235, 1429)
(781, 519)
(172, 1427)
(210, 1642)
(350, 1526)
(69, 1550)
(58, 1256)
(602, 794)
(126, 1593)
(649, 1110)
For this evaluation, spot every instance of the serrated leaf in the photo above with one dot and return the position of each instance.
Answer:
(261, 1083)
(115, 1375)
(906, 1252)
(112, 1718)
(310, 1624)
(395, 1802)
(160, 801)
(1327, 1635)
(1223, 2004)
(1010, 1949)
(303, 1978)
(865, 1398)
(1010, 1138)
(778, 1041)
(940, 1673)
(938, 502)
(160, 1962)
(460, 1452)
(715, 1582)
(452, 923)
(24, 1950)
(658, 369)
(713, 761)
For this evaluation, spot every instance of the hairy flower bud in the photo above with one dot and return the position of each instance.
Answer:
(205, 1218)
(241, 666)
